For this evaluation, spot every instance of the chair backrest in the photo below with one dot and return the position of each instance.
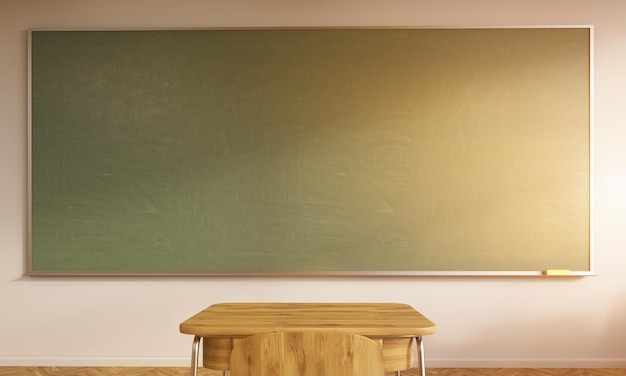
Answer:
(306, 354)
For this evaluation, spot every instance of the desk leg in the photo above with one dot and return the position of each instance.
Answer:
(420, 355)
(195, 351)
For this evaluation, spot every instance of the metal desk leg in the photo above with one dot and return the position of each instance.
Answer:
(195, 351)
(420, 355)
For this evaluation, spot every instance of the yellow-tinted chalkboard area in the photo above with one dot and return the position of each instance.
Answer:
(310, 151)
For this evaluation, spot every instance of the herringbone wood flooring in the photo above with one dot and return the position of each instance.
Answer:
(138, 371)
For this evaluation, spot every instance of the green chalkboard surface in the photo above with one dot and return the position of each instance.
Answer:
(281, 151)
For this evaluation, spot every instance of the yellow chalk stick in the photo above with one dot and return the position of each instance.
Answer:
(552, 272)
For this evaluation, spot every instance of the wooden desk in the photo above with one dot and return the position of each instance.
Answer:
(396, 326)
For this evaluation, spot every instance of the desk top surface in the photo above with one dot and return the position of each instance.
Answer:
(368, 319)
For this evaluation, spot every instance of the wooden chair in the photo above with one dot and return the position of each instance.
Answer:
(306, 354)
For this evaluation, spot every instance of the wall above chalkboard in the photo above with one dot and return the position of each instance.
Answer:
(341, 151)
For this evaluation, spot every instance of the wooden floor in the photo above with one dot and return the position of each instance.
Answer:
(137, 371)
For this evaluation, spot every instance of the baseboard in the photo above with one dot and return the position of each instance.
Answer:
(90, 361)
(525, 362)
(41, 361)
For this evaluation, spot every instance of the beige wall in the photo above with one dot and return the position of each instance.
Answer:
(482, 321)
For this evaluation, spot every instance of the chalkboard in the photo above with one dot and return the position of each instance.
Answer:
(310, 151)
